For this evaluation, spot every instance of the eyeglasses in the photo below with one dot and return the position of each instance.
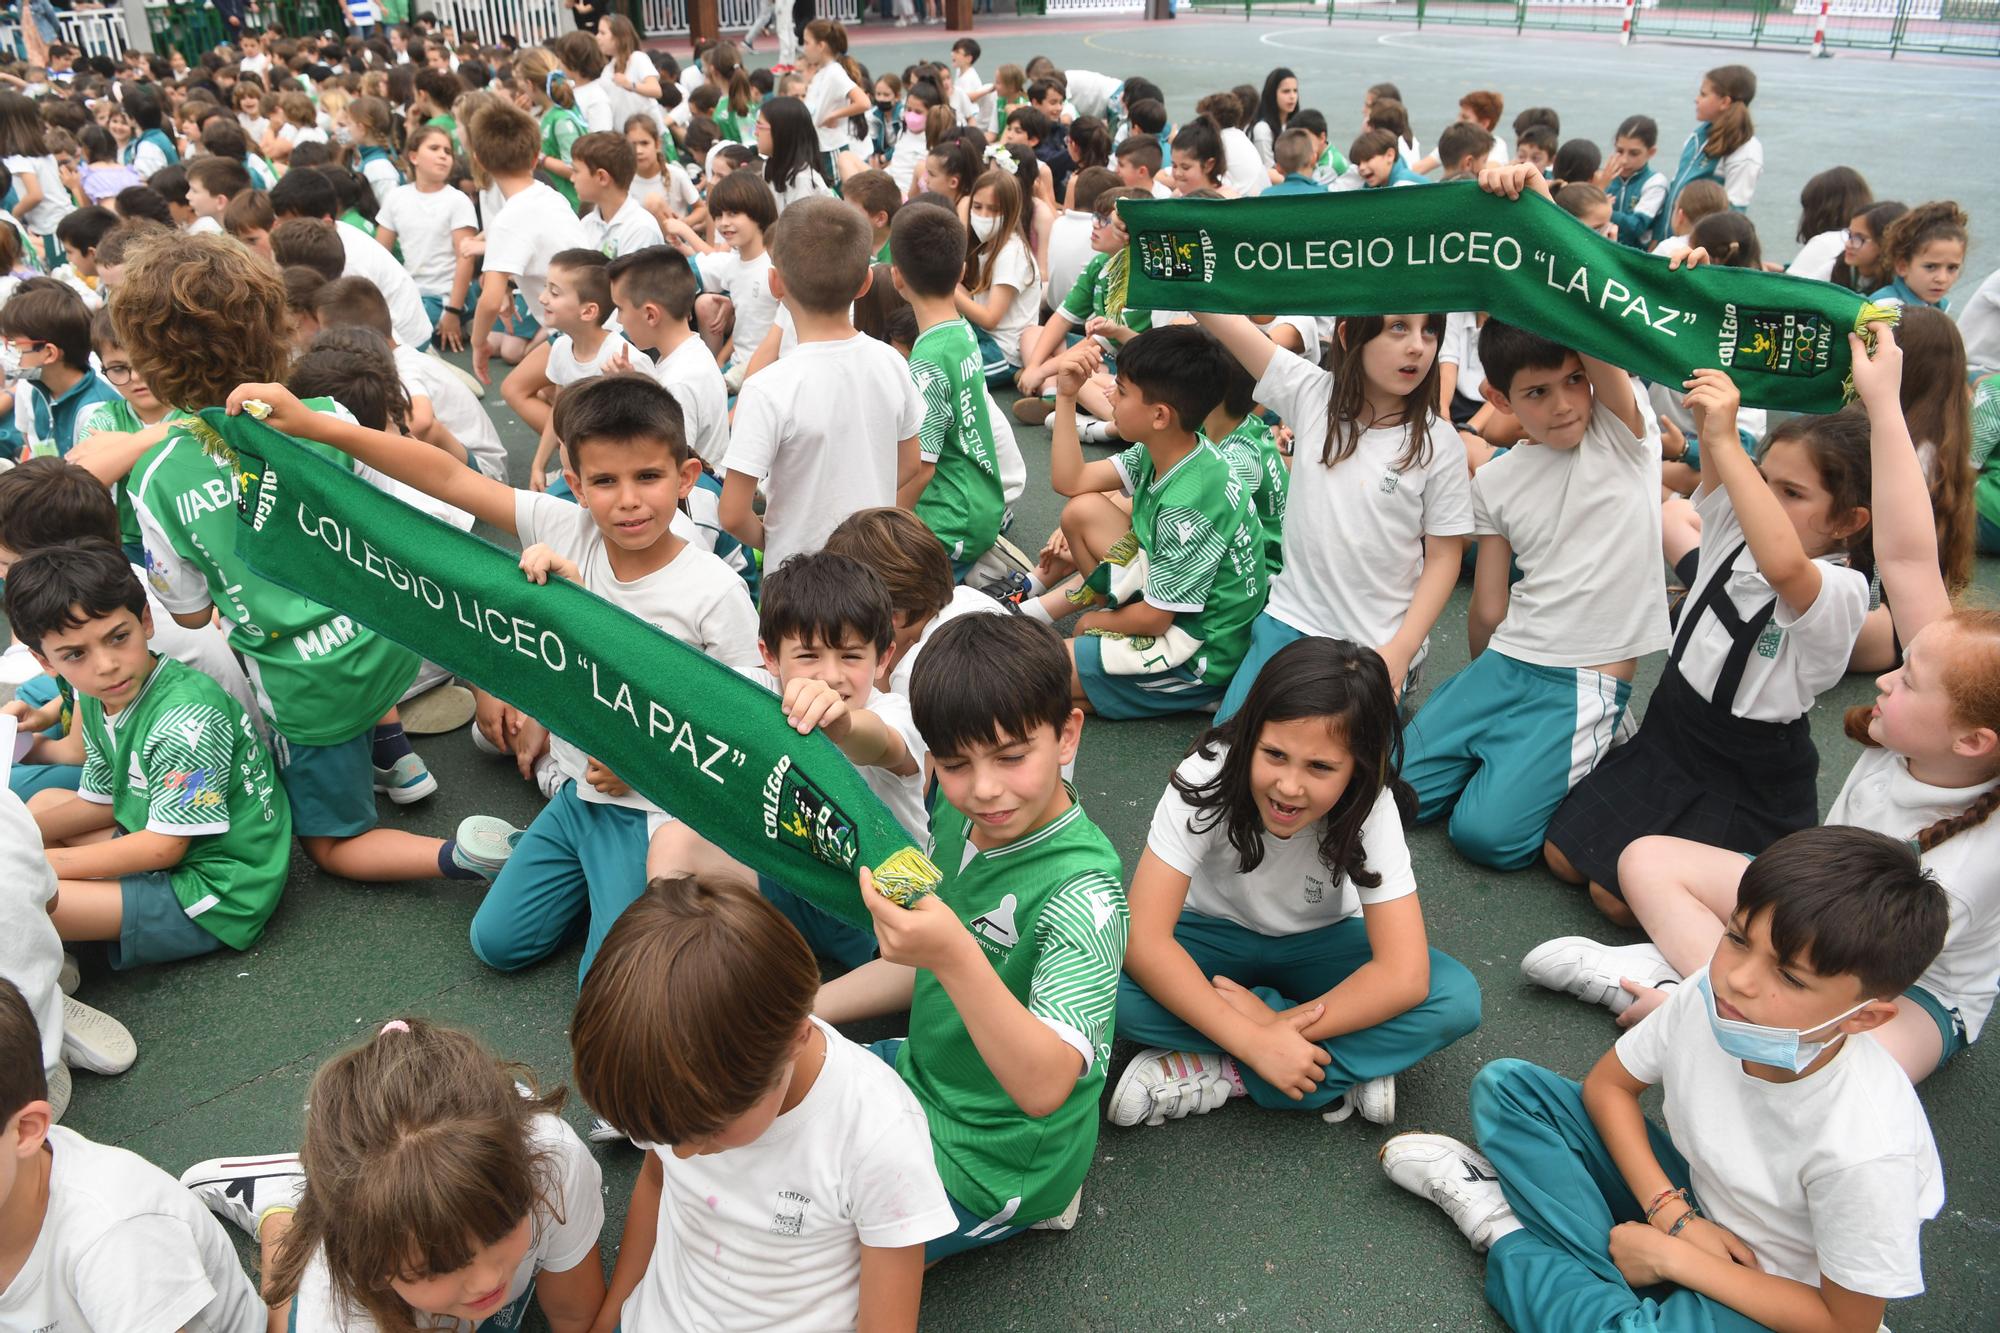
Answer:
(118, 375)
(1855, 239)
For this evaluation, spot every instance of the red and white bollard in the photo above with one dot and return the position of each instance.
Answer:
(1819, 33)
(1625, 25)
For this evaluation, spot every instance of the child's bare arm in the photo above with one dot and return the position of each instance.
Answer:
(869, 991)
(1489, 592)
(737, 509)
(861, 734)
(1612, 388)
(132, 854)
(1905, 534)
(1645, 1257)
(1251, 347)
(1443, 557)
(1140, 618)
(635, 1248)
(62, 820)
(572, 1299)
(892, 1287)
(1773, 541)
(409, 461)
(1068, 473)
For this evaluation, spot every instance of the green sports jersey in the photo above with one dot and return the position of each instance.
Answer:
(1049, 913)
(1092, 294)
(115, 414)
(1204, 552)
(1985, 458)
(962, 504)
(183, 759)
(1252, 454)
(320, 677)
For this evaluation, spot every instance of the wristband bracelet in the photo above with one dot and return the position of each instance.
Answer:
(1683, 1220)
(1659, 1200)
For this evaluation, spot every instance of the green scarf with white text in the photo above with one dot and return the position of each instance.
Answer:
(684, 731)
(1453, 246)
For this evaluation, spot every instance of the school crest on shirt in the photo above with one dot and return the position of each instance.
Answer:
(788, 1218)
(1776, 342)
(1315, 889)
(1769, 642)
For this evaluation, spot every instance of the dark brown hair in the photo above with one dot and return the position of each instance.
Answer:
(1731, 129)
(821, 249)
(692, 1009)
(22, 1078)
(1934, 403)
(46, 501)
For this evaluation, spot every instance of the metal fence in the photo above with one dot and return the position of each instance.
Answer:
(1949, 27)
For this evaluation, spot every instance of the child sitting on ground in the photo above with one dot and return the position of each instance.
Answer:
(1797, 1167)
(654, 293)
(736, 307)
(178, 837)
(1500, 744)
(913, 565)
(575, 305)
(1183, 570)
(956, 487)
(817, 465)
(98, 1239)
(529, 228)
(582, 860)
(616, 224)
(1010, 970)
(381, 1186)
(55, 323)
(788, 1181)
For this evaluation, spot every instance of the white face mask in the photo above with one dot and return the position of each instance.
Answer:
(11, 367)
(984, 227)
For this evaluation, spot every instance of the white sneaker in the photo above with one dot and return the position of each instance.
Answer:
(1063, 1221)
(1591, 971)
(603, 1131)
(1375, 1098)
(1161, 1085)
(59, 1090)
(70, 975)
(484, 746)
(94, 1040)
(548, 777)
(1457, 1178)
(242, 1189)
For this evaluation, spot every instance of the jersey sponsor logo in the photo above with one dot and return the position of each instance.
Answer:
(206, 498)
(197, 791)
(1102, 909)
(323, 640)
(135, 776)
(191, 732)
(789, 1217)
(156, 572)
(997, 926)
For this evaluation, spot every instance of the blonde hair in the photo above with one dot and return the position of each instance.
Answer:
(543, 79)
(200, 315)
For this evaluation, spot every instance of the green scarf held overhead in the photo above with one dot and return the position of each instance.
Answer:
(1447, 247)
(685, 731)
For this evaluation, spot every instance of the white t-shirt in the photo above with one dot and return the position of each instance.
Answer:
(1979, 326)
(1291, 891)
(1354, 533)
(566, 367)
(124, 1249)
(1741, 171)
(903, 796)
(964, 106)
(830, 89)
(565, 1229)
(1817, 256)
(630, 228)
(30, 951)
(1460, 346)
(55, 203)
(1015, 267)
(204, 226)
(819, 463)
(1090, 91)
(1013, 469)
(383, 177)
(1069, 254)
(366, 258)
(907, 161)
(747, 283)
(1585, 527)
(526, 232)
(205, 649)
(1880, 794)
(767, 1238)
(964, 602)
(593, 103)
(690, 374)
(1799, 655)
(673, 185)
(423, 222)
(1829, 1174)
(805, 183)
(694, 597)
(1242, 169)
(454, 405)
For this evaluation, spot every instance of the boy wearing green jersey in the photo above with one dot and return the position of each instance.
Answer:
(1096, 307)
(955, 489)
(1183, 567)
(199, 315)
(1010, 971)
(1246, 443)
(178, 838)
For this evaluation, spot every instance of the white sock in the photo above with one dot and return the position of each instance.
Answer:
(1032, 608)
(1037, 585)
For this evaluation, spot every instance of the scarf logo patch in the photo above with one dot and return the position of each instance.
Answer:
(1775, 342)
(1176, 256)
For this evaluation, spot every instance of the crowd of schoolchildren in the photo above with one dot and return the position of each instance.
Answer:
(757, 319)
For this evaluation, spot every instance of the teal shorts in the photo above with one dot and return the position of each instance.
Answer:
(331, 787)
(1162, 694)
(152, 925)
(525, 323)
(1951, 1026)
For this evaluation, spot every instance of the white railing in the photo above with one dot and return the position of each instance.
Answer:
(96, 32)
(532, 21)
(1882, 9)
(1088, 7)
(668, 18)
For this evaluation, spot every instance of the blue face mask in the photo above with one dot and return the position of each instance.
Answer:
(1781, 1048)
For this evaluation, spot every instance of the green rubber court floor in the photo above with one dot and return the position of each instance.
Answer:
(1251, 1218)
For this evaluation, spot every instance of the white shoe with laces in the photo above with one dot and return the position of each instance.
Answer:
(1591, 971)
(1161, 1085)
(603, 1131)
(94, 1040)
(1457, 1178)
(241, 1190)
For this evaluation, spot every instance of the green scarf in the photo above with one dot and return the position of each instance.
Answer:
(1455, 247)
(685, 731)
